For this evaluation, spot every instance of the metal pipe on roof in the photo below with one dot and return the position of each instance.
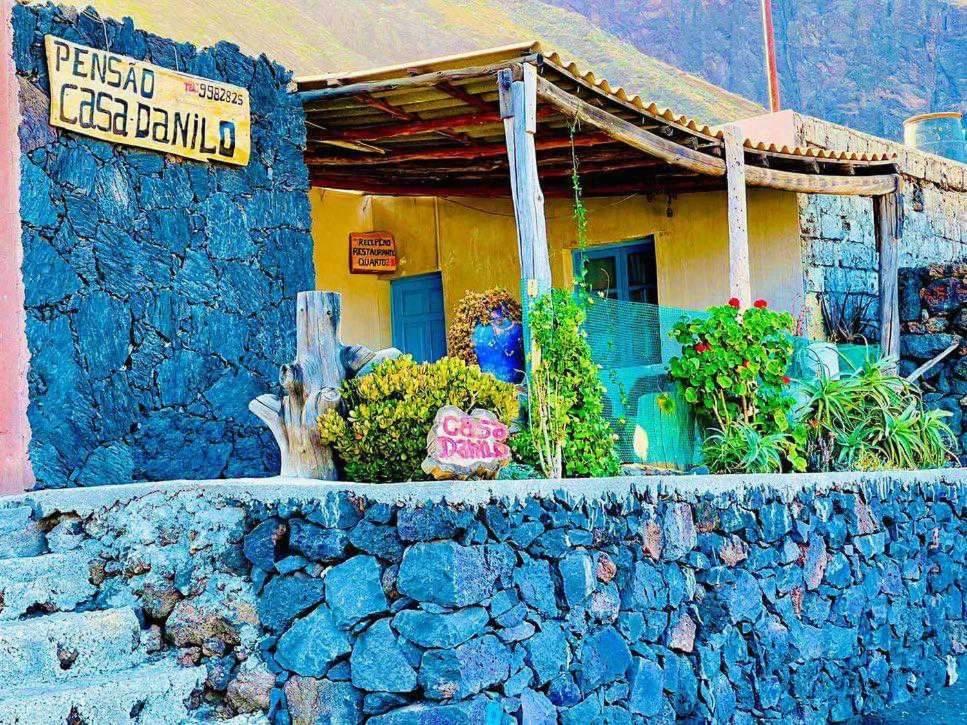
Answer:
(772, 68)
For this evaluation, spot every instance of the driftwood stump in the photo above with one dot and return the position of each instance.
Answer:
(311, 384)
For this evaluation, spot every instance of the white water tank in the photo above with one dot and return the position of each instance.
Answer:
(937, 133)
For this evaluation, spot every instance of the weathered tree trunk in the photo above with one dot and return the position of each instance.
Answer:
(311, 385)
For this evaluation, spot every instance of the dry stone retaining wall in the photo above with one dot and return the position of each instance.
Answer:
(159, 290)
(933, 314)
(801, 598)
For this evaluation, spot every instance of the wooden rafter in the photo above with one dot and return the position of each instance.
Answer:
(476, 151)
(468, 98)
(398, 113)
(416, 127)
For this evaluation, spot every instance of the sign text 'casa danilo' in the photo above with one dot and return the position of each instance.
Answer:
(119, 99)
(462, 445)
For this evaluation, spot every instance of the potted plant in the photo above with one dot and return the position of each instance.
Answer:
(487, 331)
(846, 320)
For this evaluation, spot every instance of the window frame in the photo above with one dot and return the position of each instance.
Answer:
(621, 252)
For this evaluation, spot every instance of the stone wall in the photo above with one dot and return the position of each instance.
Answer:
(159, 291)
(933, 314)
(839, 246)
(719, 599)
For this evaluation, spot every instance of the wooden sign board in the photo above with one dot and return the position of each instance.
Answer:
(372, 253)
(122, 100)
(461, 445)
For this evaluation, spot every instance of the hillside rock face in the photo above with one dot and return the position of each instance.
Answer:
(865, 65)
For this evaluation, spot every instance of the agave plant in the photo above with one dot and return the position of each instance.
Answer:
(873, 419)
(743, 448)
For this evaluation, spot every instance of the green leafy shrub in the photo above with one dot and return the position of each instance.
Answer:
(568, 433)
(733, 371)
(873, 420)
(733, 365)
(391, 410)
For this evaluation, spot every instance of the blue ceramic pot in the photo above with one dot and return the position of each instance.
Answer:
(500, 348)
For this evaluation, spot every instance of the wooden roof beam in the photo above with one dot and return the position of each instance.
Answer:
(379, 186)
(424, 80)
(470, 152)
(469, 98)
(398, 113)
(629, 133)
(417, 126)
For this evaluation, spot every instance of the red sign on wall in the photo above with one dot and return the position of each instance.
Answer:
(372, 253)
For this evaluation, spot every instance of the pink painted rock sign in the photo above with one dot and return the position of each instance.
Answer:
(463, 446)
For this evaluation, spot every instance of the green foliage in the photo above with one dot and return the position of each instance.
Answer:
(871, 420)
(733, 365)
(733, 372)
(391, 410)
(742, 448)
(568, 429)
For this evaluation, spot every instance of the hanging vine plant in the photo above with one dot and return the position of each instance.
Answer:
(568, 433)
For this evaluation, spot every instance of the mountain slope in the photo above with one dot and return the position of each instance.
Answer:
(864, 64)
(313, 36)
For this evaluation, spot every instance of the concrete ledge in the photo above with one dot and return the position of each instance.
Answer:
(475, 493)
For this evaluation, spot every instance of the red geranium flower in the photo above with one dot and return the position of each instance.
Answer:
(734, 302)
(761, 304)
(702, 347)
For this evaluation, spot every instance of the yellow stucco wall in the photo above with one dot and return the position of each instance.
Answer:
(473, 243)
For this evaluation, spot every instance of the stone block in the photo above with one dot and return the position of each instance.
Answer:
(465, 670)
(536, 586)
(605, 657)
(286, 597)
(354, 590)
(312, 644)
(441, 630)
(315, 542)
(548, 652)
(446, 573)
(577, 577)
(378, 662)
(646, 680)
(311, 700)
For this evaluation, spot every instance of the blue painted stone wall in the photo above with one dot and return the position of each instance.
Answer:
(729, 608)
(531, 606)
(159, 290)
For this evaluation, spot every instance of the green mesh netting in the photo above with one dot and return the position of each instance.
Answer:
(631, 344)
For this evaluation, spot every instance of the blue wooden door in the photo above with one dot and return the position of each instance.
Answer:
(417, 313)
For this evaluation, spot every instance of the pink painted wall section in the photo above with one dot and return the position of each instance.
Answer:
(15, 471)
(778, 128)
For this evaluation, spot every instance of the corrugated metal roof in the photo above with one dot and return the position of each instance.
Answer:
(518, 51)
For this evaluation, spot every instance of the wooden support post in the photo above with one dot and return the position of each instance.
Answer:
(518, 108)
(740, 284)
(888, 223)
(311, 385)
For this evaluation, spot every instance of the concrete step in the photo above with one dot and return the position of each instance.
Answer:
(19, 534)
(44, 584)
(59, 647)
(154, 693)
